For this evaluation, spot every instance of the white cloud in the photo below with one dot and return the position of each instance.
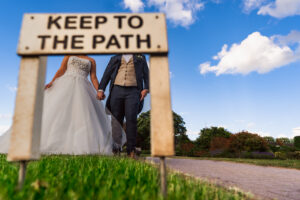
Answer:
(180, 12)
(217, 1)
(12, 88)
(281, 8)
(296, 131)
(184, 113)
(134, 5)
(5, 116)
(250, 125)
(292, 38)
(255, 53)
(282, 136)
(252, 4)
(260, 133)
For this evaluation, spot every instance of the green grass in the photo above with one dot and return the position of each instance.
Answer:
(263, 162)
(94, 177)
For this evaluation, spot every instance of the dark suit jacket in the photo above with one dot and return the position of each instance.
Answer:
(111, 71)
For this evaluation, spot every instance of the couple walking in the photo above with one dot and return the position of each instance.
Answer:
(75, 121)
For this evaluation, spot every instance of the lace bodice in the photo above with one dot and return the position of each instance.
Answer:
(78, 66)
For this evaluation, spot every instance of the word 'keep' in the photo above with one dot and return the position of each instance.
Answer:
(91, 22)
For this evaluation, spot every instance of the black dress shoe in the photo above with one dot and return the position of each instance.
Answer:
(116, 151)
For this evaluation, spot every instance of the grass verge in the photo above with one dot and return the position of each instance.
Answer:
(94, 177)
(295, 164)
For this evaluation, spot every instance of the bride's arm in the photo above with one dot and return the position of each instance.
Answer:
(60, 71)
(94, 78)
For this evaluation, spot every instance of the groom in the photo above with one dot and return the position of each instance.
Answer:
(128, 75)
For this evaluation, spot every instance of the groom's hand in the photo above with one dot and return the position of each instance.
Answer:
(100, 95)
(144, 94)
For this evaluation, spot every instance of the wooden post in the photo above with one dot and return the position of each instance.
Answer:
(22, 174)
(26, 129)
(162, 134)
(163, 176)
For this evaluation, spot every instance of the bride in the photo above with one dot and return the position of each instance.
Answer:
(74, 121)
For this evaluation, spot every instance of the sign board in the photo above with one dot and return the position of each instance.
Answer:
(44, 34)
(49, 34)
(52, 34)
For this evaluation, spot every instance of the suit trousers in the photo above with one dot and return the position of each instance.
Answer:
(125, 102)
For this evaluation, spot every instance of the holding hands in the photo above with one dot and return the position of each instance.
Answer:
(144, 94)
(100, 95)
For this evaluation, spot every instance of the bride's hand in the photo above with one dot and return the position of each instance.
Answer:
(49, 85)
(100, 95)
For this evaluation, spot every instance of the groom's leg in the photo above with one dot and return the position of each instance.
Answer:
(117, 110)
(131, 112)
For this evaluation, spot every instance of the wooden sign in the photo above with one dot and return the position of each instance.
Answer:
(49, 34)
(43, 34)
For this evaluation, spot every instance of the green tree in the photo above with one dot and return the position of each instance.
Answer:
(297, 141)
(271, 143)
(270, 140)
(143, 124)
(207, 134)
(283, 141)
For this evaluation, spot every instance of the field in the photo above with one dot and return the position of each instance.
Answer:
(262, 162)
(95, 177)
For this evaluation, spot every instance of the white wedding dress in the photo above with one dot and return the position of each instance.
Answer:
(74, 121)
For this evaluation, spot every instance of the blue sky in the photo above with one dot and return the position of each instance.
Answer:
(233, 63)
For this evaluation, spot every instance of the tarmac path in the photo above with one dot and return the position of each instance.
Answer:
(263, 182)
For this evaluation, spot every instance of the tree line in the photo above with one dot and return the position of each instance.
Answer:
(219, 142)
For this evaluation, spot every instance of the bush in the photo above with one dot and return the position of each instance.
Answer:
(248, 142)
(286, 148)
(293, 155)
(187, 149)
(287, 155)
(297, 141)
(201, 153)
(219, 143)
(217, 153)
(296, 155)
(261, 155)
(207, 134)
(271, 143)
(219, 146)
(274, 148)
(284, 142)
(281, 155)
(270, 140)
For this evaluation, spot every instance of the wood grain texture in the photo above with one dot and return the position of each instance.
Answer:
(162, 133)
(26, 129)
